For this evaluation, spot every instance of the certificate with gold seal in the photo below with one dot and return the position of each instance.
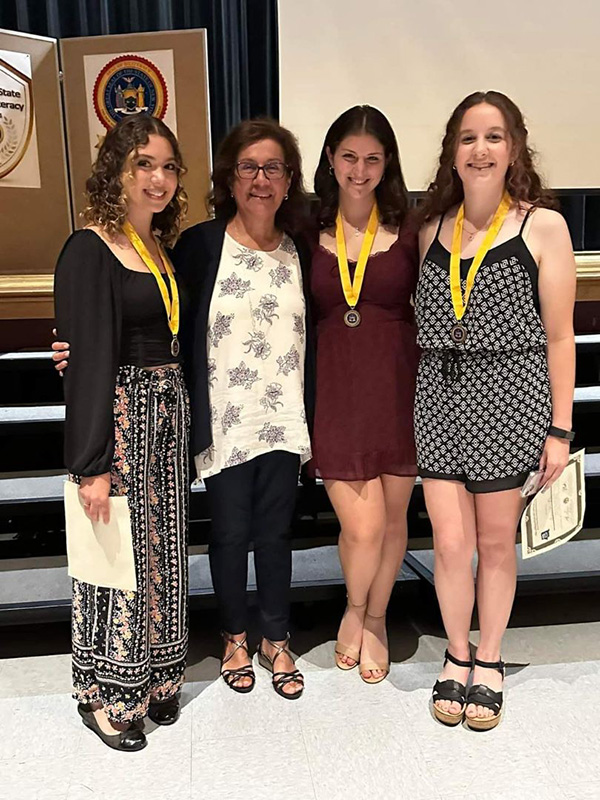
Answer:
(555, 516)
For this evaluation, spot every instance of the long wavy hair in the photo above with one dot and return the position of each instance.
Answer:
(291, 214)
(390, 193)
(523, 182)
(106, 204)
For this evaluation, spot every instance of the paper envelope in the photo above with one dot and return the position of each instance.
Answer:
(99, 554)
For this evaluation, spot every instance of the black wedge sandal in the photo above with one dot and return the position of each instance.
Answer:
(450, 690)
(482, 695)
(231, 676)
(281, 679)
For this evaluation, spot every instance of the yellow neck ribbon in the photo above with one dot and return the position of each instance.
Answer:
(460, 306)
(172, 302)
(352, 288)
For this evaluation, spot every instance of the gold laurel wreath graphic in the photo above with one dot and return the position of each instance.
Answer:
(9, 147)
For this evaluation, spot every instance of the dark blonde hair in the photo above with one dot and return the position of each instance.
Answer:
(523, 182)
(106, 202)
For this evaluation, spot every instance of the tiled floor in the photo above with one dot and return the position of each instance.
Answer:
(343, 739)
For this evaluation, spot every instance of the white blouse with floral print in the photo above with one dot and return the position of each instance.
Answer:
(256, 344)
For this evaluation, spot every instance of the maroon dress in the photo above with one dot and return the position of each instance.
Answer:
(366, 375)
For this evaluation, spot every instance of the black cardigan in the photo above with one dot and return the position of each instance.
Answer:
(88, 304)
(196, 257)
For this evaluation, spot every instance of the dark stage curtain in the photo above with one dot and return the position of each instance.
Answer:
(242, 41)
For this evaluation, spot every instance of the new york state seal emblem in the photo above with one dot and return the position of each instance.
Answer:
(129, 84)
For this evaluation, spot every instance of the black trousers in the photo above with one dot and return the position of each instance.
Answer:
(253, 502)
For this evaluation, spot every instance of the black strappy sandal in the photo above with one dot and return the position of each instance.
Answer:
(450, 690)
(482, 695)
(231, 676)
(281, 679)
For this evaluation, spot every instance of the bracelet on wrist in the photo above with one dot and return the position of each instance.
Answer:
(561, 433)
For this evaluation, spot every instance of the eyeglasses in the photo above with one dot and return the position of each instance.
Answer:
(248, 170)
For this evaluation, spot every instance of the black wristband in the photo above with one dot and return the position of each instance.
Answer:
(560, 433)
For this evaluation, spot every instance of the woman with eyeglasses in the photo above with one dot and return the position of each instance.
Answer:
(250, 378)
(249, 366)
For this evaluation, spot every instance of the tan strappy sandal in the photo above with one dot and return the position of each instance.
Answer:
(365, 666)
(232, 676)
(344, 649)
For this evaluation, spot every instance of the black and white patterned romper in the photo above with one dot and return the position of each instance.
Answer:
(482, 408)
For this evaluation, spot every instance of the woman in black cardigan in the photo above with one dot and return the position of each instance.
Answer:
(126, 433)
(249, 368)
(249, 363)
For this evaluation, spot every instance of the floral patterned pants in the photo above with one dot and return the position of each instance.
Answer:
(131, 646)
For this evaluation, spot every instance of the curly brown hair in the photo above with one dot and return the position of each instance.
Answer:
(291, 215)
(523, 182)
(106, 202)
(391, 194)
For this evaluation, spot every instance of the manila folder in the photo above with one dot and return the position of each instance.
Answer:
(97, 553)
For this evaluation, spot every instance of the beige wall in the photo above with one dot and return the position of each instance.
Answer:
(416, 59)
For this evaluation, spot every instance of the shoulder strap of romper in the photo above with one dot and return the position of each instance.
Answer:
(527, 215)
(439, 227)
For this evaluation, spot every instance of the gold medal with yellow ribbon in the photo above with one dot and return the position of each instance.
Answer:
(171, 302)
(458, 332)
(350, 288)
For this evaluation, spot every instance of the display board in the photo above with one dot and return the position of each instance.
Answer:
(35, 217)
(107, 78)
(417, 60)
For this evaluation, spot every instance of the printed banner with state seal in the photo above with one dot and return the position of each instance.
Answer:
(119, 85)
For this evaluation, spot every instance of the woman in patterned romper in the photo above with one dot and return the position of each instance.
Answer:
(491, 382)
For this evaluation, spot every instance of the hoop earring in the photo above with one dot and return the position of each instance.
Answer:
(331, 170)
(286, 197)
(454, 167)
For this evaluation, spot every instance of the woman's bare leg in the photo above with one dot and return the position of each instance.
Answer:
(397, 492)
(451, 510)
(497, 519)
(360, 509)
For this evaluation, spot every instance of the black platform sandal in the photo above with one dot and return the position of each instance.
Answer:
(450, 690)
(231, 676)
(165, 712)
(482, 695)
(129, 741)
(281, 679)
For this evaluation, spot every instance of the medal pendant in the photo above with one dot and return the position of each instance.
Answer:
(175, 347)
(458, 333)
(352, 318)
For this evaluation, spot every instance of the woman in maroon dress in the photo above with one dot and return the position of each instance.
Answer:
(367, 357)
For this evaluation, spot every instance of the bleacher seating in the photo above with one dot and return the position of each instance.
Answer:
(32, 473)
